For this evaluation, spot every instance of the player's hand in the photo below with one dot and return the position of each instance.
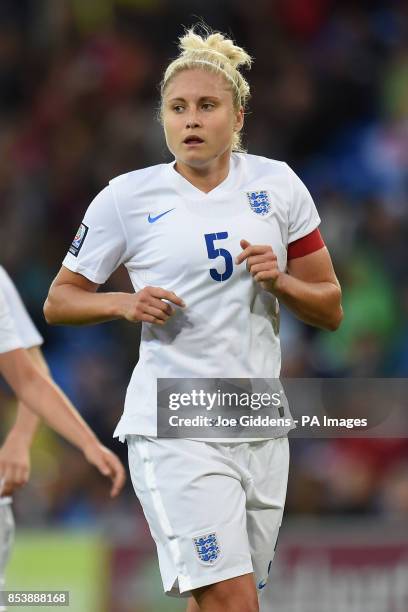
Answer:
(261, 263)
(14, 465)
(151, 305)
(108, 464)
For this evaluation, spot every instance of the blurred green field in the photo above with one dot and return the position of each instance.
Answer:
(55, 560)
(81, 563)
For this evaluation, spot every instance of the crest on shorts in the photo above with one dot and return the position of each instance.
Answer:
(79, 239)
(259, 202)
(207, 548)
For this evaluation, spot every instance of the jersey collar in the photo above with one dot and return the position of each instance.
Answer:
(188, 190)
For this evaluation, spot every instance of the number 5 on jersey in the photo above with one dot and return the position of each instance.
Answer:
(213, 253)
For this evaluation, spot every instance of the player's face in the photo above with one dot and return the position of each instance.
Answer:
(199, 118)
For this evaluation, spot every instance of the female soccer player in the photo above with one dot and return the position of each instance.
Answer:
(211, 241)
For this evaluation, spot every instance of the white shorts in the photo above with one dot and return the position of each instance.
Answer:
(6, 539)
(214, 509)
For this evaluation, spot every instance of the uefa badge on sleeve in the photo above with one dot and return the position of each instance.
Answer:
(207, 548)
(259, 202)
(78, 240)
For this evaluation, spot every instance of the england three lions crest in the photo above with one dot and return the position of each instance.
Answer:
(259, 202)
(207, 548)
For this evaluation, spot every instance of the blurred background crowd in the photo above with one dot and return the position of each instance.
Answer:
(78, 105)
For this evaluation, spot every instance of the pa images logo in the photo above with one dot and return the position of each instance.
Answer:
(259, 202)
(207, 548)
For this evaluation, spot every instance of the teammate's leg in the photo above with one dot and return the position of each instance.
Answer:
(233, 595)
(6, 538)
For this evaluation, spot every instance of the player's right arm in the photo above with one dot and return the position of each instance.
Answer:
(99, 248)
(73, 300)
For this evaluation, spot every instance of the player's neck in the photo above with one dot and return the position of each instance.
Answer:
(205, 178)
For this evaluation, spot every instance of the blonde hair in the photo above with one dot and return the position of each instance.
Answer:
(213, 52)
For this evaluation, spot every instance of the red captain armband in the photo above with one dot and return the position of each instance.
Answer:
(306, 245)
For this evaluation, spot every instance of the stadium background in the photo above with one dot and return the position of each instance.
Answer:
(78, 98)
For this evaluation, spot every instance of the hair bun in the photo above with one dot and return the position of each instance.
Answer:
(216, 43)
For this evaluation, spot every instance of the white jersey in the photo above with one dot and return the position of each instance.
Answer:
(170, 234)
(24, 327)
(9, 340)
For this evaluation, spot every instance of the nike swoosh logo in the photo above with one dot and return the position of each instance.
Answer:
(154, 219)
(262, 584)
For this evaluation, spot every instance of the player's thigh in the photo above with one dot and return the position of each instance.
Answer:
(234, 595)
(192, 605)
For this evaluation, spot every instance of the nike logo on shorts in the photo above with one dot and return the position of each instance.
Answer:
(154, 219)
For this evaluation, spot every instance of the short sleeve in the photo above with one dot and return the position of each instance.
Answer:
(303, 216)
(99, 246)
(9, 340)
(24, 326)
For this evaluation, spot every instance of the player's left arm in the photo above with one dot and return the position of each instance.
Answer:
(309, 287)
(311, 290)
(15, 465)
